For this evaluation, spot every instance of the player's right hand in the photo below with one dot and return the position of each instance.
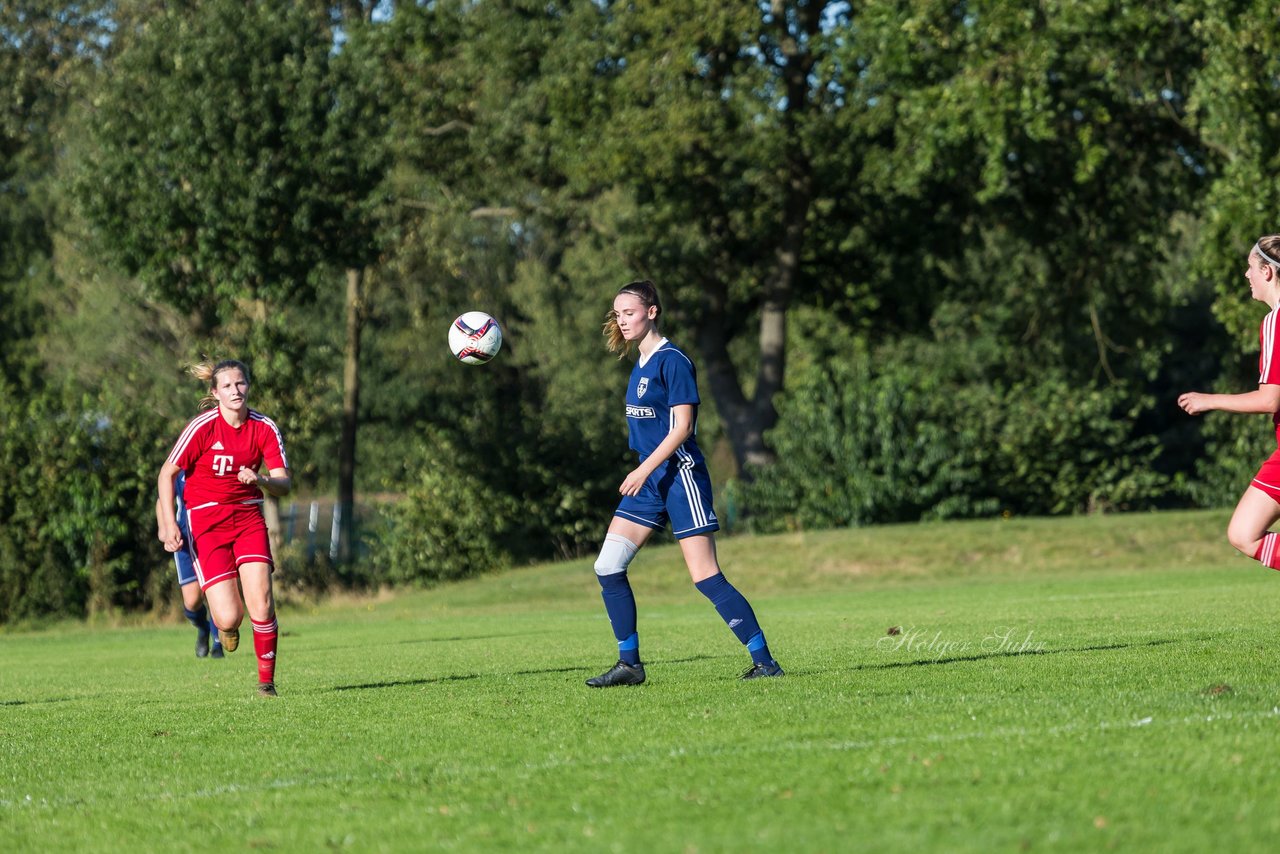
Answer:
(171, 540)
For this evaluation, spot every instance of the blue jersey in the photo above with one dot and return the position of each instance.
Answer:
(659, 382)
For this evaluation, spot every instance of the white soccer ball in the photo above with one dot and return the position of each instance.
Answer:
(475, 337)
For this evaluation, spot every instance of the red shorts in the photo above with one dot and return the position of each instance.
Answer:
(1268, 477)
(226, 536)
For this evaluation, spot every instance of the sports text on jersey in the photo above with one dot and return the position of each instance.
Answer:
(640, 412)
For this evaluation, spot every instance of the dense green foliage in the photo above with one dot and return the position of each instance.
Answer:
(868, 438)
(1072, 684)
(933, 260)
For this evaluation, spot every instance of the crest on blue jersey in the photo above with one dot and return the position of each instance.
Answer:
(642, 386)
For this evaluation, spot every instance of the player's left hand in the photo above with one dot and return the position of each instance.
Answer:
(1192, 403)
(248, 476)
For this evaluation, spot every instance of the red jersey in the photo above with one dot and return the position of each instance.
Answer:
(1268, 365)
(211, 452)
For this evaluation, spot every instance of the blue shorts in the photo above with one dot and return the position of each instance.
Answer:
(676, 492)
(183, 558)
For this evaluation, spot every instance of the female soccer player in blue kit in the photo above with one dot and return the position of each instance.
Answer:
(671, 483)
(192, 598)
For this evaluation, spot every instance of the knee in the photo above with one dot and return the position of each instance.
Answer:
(263, 610)
(226, 623)
(615, 555)
(1242, 539)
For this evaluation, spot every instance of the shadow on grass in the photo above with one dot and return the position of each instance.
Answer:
(35, 702)
(402, 682)
(399, 683)
(423, 641)
(465, 638)
(648, 662)
(1011, 653)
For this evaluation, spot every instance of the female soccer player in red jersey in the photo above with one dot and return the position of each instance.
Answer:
(1259, 507)
(220, 451)
(670, 484)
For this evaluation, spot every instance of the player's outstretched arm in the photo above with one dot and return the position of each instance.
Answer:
(1264, 399)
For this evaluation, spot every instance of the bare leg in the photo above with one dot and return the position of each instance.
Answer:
(191, 596)
(224, 605)
(255, 578)
(700, 556)
(1254, 516)
(634, 532)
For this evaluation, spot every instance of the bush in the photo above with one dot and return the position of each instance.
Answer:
(79, 531)
(868, 438)
(452, 523)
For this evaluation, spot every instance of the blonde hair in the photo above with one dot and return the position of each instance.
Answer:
(207, 372)
(1268, 249)
(643, 290)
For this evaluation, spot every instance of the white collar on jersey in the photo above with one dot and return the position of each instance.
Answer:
(643, 360)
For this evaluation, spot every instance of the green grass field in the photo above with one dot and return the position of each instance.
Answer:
(1076, 684)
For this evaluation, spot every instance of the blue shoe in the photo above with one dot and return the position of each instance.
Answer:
(762, 669)
(202, 644)
(217, 651)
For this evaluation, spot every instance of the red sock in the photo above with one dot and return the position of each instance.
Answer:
(1267, 552)
(264, 644)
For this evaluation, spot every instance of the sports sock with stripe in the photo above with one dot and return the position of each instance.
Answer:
(1267, 554)
(620, 604)
(736, 612)
(264, 646)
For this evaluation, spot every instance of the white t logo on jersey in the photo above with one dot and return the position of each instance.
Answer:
(642, 386)
(222, 463)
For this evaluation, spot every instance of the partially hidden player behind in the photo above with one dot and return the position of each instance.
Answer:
(207, 641)
(671, 484)
(1259, 507)
(220, 451)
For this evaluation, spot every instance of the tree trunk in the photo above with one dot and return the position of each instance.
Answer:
(350, 412)
(746, 421)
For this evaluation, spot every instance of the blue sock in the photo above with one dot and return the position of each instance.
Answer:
(198, 618)
(620, 604)
(736, 612)
(629, 649)
(213, 631)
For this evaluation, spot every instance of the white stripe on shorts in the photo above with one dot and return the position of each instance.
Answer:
(694, 497)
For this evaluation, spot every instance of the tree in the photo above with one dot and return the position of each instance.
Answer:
(1231, 106)
(235, 163)
(694, 127)
(43, 48)
(712, 120)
